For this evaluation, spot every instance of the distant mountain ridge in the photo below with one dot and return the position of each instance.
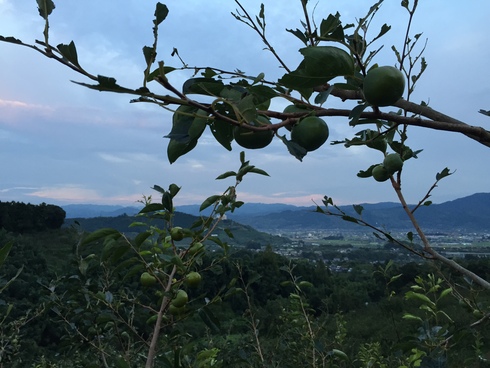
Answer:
(471, 213)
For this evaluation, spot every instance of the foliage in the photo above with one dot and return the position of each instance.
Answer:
(121, 323)
(21, 217)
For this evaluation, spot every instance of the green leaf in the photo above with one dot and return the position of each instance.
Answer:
(331, 28)
(149, 54)
(356, 112)
(101, 234)
(419, 296)
(209, 201)
(167, 202)
(321, 97)
(367, 173)
(358, 209)
(161, 12)
(412, 317)
(294, 148)
(410, 236)
(350, 219)
(4, 252)
(188, 123)
(209, 319)
(203, 86)
(300, 34)
(69, 52)
(152, 207)
(443, 174)
(256, 170)
(226, 175)
(11, 40)
(445, 292)
(173, 189)
(45, 8)
(320, 65)
(141, 238)
(247, 108)
(222, 132)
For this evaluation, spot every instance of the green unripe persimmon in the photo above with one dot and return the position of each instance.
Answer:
(181, 298)
(193, 279)
(253, 139)
(380, 173)
(310, 133)
(147, 280)
(290, 109)
(383, 86)
(393, 163)
(176, 233)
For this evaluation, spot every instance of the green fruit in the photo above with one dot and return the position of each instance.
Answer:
(293, 109)
(393, 163)
(147, 280)
(195, 248)
(193, 279)
(253, 139)
(380, 173)
(176, 233)
(176, 311)
(383, 86)
(310, 133)
(181, 299)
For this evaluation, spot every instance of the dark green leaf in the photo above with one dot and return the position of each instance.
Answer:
(226, 175)
(101, 234)
(229, 233)
(69, 52)
(356, 112)
(222, 132)
(358, 209)
(294, 148)
(331, 28)
(167, 202)
(259, 171)
(350, 219)
(203, 86)
(443, 174)
(410, 236)
(247, 108)
(152, 207)
(161, 12)
(427, 203)
(368, 173)
(209, 201)
(11, 40)
(141, 238)
(149, 54)
(301, 35)
(320, 65)
(209, 319)
(45, 8)
(4, 252)
(173, 189)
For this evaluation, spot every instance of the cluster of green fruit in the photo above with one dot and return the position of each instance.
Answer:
(391, 164)
(382, 86)
(310, 132)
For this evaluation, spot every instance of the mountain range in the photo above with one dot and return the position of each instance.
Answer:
(468, 214)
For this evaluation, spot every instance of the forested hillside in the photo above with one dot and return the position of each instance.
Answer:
(63, 300)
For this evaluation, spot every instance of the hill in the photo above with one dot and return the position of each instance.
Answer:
(468, 214)
(243, 235)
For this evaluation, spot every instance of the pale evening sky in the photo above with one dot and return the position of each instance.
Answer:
(62, 143)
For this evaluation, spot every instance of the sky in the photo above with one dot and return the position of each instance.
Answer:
(61, 143)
